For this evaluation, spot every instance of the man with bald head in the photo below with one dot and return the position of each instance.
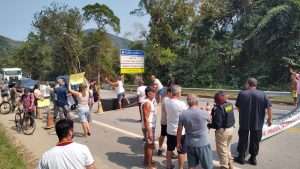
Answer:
(252, 105)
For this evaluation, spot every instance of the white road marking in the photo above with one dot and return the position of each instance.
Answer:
(117, 129)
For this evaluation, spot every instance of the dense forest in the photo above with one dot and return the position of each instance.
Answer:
(207, 43)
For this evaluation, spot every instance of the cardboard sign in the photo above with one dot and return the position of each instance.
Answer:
(43, 103)
(77, 78)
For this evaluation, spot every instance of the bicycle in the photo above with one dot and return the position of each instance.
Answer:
(5, 106)
(25, 121)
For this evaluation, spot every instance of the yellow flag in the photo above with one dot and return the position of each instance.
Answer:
(77, 78)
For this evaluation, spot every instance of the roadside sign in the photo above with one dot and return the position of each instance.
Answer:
(131, 61)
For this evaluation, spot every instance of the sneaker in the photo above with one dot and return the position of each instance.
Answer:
(240, 160)
(252, 160)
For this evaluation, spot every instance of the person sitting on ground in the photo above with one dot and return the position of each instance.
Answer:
(83, 106)
(67, 154)
(28, 101)
(223, 121)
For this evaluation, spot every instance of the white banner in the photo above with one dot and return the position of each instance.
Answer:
(279, 125)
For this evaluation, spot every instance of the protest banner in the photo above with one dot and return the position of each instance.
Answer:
(76, 79)
(281, 124)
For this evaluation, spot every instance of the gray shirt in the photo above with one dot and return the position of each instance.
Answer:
(252, 104)
(195, 123)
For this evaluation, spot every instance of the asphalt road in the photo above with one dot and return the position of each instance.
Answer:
(116, 141)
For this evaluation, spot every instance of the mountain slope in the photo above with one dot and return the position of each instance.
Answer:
(7, 46)
(118, 42)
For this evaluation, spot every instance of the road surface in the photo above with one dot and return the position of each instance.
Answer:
(116, 141)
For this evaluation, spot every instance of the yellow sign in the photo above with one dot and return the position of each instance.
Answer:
(229, 108)
(43, 103)
(131, 70)
(77, 78)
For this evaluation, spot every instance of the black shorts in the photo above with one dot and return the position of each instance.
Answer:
(163, 130)
(172, 143)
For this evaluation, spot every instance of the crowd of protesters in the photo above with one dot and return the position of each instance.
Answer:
(184, 124)
(187, 126)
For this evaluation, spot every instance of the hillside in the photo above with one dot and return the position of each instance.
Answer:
(118, 42)
(7, 46)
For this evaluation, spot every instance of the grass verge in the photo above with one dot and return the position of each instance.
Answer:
(9, 157)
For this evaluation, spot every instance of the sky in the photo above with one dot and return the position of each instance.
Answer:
(16, 16)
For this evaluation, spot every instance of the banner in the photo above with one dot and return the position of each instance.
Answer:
(281, 124)
(77, 78)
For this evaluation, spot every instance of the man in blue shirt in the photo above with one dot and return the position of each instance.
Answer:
(252, 105)
(197, 143)
(61, 100)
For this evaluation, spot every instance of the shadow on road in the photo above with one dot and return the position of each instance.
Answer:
(133, 159)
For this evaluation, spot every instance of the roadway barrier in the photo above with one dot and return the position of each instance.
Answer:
(269, 93)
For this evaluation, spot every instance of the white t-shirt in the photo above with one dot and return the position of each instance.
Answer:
(163, 118)
(141, 93)
(174, 109)
(158, 83)
(153, 114)
(71, 156)
(120, 88)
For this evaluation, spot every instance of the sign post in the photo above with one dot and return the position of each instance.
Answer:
(131, 61)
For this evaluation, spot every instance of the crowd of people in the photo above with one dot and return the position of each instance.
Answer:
(186, 125)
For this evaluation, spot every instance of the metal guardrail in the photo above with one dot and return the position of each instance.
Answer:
(269, 93)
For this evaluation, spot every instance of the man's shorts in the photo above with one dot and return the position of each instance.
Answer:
(120, 97)
(145, 136)
(172, 143)
(197, 155)
(163, 130)
(294, 94)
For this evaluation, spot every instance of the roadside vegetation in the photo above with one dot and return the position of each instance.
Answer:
(9, 157)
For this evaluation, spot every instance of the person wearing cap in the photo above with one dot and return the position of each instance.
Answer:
(223, 121)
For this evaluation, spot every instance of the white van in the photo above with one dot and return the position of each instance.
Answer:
(10, 74)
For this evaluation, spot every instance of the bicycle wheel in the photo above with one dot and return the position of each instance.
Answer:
(5, 107)
(28, 125)
(18, 122)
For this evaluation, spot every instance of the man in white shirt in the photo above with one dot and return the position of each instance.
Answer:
(67, 154)
(141, 95)
(120, 90)
(174, 108)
